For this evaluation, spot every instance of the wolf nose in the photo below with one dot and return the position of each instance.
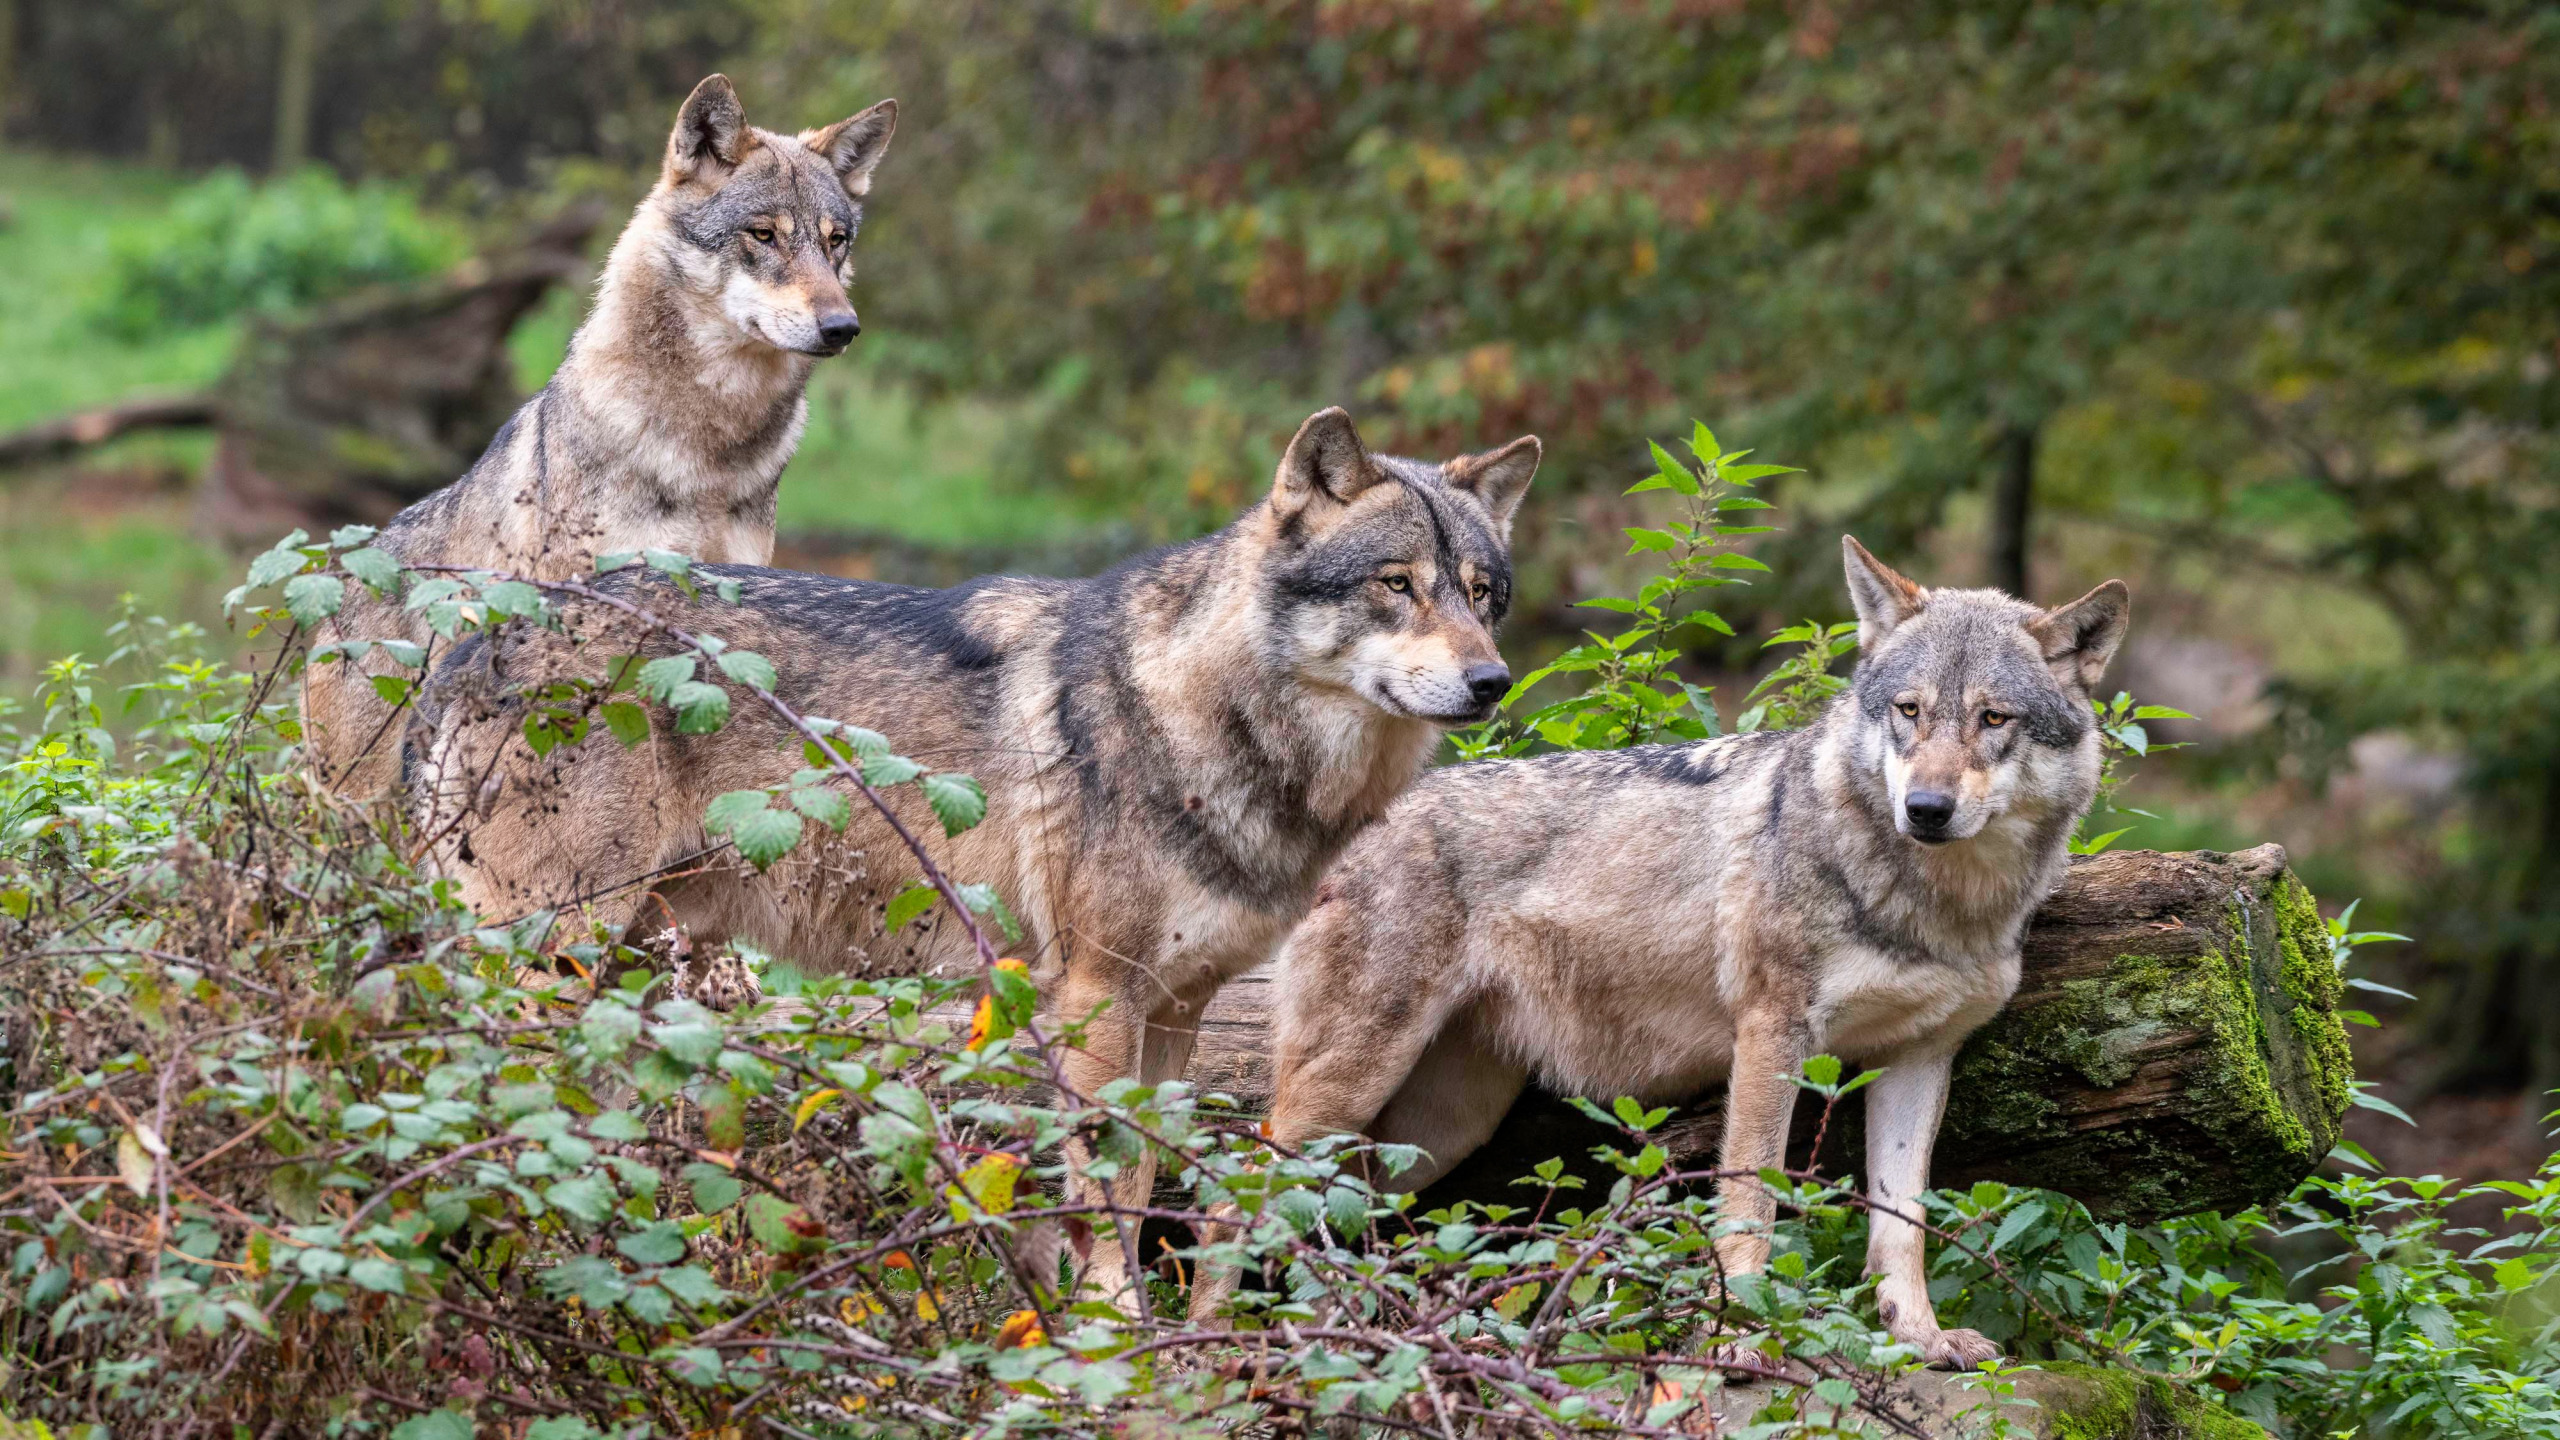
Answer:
(838, 330)
(1929, 809)
(1488, 683)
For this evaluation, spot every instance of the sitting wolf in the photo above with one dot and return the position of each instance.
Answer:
(1650, 921)
(682, 397)
(1172, 752)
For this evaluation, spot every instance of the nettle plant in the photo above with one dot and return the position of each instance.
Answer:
(296, 1146)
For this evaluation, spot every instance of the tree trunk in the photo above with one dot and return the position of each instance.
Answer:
(297, 81)
(2173, 1047)
(2011, 500)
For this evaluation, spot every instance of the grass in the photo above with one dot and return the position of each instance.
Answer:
(73, 542)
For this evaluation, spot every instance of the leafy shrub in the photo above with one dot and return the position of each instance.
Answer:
(228, 246)
(297, 1146)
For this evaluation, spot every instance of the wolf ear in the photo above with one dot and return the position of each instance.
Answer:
(711, 133)
(1498, 478)
(854, 145)
(2080, 638)
(1325, 465)
(1882, 598)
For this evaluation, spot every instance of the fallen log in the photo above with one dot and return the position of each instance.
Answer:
(353, 409)
(2174, 1047)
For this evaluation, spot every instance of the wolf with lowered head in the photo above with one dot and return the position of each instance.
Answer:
(1653, 920)
(668, 424)
(1172, 752)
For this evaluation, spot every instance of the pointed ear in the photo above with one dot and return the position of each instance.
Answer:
(711, 134)
(1325, 466)
(1882, 598)
(1497, 478)
(2080, 638)
(854, 145)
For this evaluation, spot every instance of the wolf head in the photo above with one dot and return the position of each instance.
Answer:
(1974, 704)
(759, 227)
(1386, 577)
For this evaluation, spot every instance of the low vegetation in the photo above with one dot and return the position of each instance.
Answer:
(295, 1146)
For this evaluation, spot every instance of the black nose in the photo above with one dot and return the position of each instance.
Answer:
(1488, 683)
(1929, 809)
(837, 330)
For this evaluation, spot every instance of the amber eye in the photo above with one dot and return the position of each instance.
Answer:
(836, 241)
(1910, 711)
(1480, 591)
(1397, 583)
(1993, 719)
(761, 234)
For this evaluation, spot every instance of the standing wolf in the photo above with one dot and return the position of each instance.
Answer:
(1172, 752)
(1649, 921)
(668, 424)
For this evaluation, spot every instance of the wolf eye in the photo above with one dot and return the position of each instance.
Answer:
(1909, 710)
(1480, 590)
(1993, 719)
(1397, 583)
(761, 234)
(836, 241)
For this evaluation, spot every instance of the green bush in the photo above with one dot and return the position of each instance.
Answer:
(228, 246)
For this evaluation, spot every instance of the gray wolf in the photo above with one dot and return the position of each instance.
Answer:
(1652, 920)
(668, 424)
(1172, 752)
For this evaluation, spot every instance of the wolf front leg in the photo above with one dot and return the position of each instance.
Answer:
(1770, 1044)
(1151, 1050)
(1903, 1109)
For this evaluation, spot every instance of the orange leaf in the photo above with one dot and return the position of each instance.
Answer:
(1021, 1331)
(984, 1022)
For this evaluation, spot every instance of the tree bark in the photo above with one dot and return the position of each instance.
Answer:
(2012, 500)
(297, 82)
(2173, 1047)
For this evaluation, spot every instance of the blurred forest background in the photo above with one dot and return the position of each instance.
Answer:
(2254, 304)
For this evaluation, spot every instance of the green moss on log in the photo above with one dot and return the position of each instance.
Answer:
(2094, 1403)
(2246, 1032)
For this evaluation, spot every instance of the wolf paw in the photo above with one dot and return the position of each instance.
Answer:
(722, 982)
(1959, 1349)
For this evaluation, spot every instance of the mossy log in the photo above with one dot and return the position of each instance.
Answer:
(2174, 1047)
(2052, 1401)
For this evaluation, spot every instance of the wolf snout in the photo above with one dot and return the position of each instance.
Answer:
(1930, 812)
(836, 330)
(1488, 684)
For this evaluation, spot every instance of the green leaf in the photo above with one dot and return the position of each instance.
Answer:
(660, 1244)
(958, 801)
(909, 903)
(384, 1276)
(769, 1220)
(748, 668)
(377, 568)
(1673, 473)
(314, 598)
(618, 560)
(1650, 540)
(511, 597)
(701, 709)
(827, 807)
(766, 836)
(628, 722)
(1730, 561)
(285, 559)
(882, 771)
(659, 678)
(394, 689)
(436, 1425)
(587, 1199)
(714, 1189)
